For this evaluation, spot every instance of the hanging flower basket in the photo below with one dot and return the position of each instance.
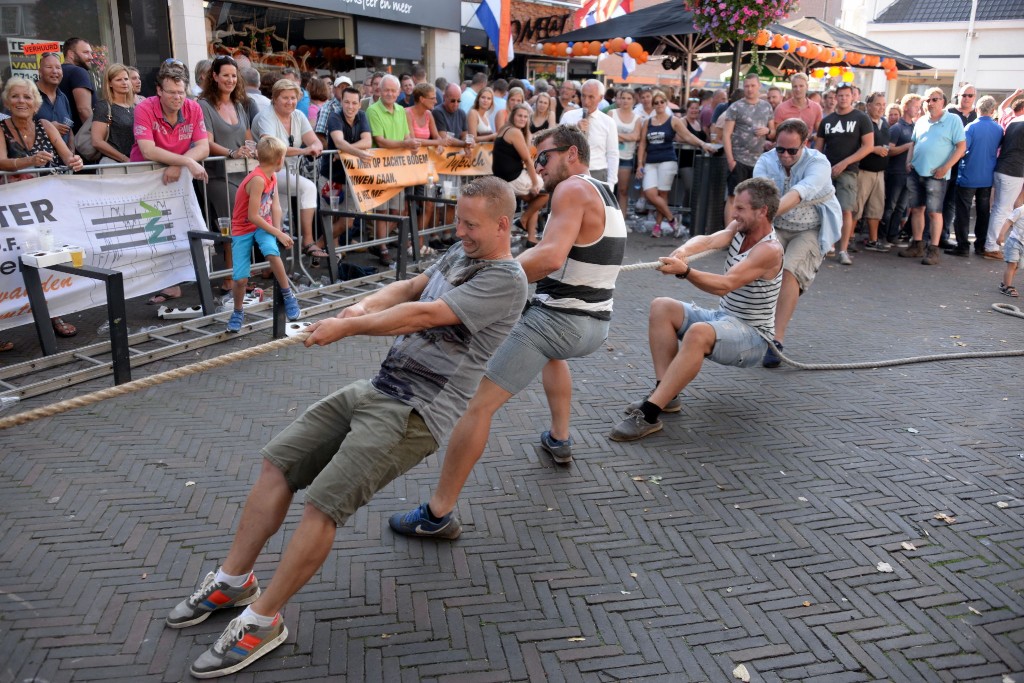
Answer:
(730, 20)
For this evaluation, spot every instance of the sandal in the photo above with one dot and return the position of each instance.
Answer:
(1008, 290)
(163, 297)
(315, 253)
(6, 346)
(63, 329)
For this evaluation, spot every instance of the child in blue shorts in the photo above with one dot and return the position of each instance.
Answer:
(255, 218)
(1012, 236)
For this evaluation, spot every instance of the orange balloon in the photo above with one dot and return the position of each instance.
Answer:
(634, 49)
(642, 59)
(548, 49)
(778, 40)
(582, 49)
(813, 50)
(761, 38)
(562, 47)
(840, 54)
(595, 47)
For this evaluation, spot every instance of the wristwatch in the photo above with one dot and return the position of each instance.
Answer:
(683, 276)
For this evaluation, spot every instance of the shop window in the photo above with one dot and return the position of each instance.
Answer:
(273, 37)
(44, 21)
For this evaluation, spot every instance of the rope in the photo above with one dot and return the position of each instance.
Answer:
(147, 382)
(1008, 309)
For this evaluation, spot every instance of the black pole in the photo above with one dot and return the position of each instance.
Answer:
(737, 55)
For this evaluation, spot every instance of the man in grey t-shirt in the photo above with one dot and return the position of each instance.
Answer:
(746, 125)
(351, 444)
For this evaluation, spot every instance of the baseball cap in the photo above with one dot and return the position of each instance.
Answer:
(342, 80)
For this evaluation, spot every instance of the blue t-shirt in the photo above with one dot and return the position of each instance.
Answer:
(979, 163)
(303, 104)
(934, 141)
(56, 112)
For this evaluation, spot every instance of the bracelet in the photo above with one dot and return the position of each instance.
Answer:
(683, 276)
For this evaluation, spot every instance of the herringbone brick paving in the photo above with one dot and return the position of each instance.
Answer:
(748, 531)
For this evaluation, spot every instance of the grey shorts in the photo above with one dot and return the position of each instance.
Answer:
(846, 190)
(348, 446)
(543, 334)
(736, 343)
(803, 254)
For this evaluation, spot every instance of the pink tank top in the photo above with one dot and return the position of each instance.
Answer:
(421, 132)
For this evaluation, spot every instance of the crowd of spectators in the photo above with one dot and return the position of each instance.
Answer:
(908, 173)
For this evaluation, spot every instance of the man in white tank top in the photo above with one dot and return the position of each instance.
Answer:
(683, 335)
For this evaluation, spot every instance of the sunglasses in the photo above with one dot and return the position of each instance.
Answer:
(967, 94)
(659, 102)
(791, 151)
(542, 157)
(172, 60)
(936, 99)
(224, 59)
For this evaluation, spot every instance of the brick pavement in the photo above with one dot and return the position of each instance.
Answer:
(748, 531)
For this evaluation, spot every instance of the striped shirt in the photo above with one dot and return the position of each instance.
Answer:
(754, 302)
(585, 284)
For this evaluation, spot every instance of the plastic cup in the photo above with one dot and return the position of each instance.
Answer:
(77, 257)
(335, 202)
(225, 226)
(45, 239)
(250, 145)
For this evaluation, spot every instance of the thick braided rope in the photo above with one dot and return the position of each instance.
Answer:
(1008, 309)
(147, 382)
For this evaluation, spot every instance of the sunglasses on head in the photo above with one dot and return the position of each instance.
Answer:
(542, 157)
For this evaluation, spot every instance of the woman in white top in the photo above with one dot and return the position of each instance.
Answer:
(480, 117)
(628, 125)
(284, 122)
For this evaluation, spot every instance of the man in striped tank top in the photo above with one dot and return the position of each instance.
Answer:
(575, 267)
(735, 333)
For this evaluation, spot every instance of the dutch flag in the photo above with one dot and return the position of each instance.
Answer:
(495, 17)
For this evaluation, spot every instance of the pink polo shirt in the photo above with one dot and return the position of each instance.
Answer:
(150, 124)
(811, 114)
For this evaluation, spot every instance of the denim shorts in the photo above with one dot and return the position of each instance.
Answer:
(625, 163)
(241, 251)
(1013, 251)
(736, 343)
(348, 446)
(543, 334)
(926, 192)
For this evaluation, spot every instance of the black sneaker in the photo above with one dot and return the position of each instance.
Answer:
(771, 359)
(417, 523)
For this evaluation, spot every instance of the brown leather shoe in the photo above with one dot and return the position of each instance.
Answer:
(994, 255)
(915, 250)
(931, 255)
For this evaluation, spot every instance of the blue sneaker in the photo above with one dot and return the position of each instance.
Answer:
(291, 307)
(417, 523)
(235, 321)
(560, 451)
(771, 359)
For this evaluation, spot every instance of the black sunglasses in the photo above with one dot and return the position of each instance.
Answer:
(791, 151)
(542, 157)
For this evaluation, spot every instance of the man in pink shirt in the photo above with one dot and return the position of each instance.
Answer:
(170, 129)
(799, 107)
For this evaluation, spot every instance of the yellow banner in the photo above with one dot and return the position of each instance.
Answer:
(374, 181)
(454, 160)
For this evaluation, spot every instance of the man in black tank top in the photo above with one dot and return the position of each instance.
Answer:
(732, 335)
(568, 318)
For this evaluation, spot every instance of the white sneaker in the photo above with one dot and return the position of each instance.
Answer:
(844, 258)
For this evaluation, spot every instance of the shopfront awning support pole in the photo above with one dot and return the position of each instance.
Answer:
(961, 73)
(737, 55)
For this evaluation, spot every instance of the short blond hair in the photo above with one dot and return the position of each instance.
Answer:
(270, 150)
(285, 84)
(20, 82)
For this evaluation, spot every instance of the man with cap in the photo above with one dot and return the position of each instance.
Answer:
(333, 106)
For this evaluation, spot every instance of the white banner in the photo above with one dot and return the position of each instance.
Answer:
(130, 223)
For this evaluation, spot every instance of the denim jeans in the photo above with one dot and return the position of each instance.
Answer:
(895, 205)
(964, 196)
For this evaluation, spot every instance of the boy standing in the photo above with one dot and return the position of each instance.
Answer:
(1012, 236)
(255, 218)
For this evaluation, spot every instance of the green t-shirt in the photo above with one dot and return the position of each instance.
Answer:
(388, 125)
